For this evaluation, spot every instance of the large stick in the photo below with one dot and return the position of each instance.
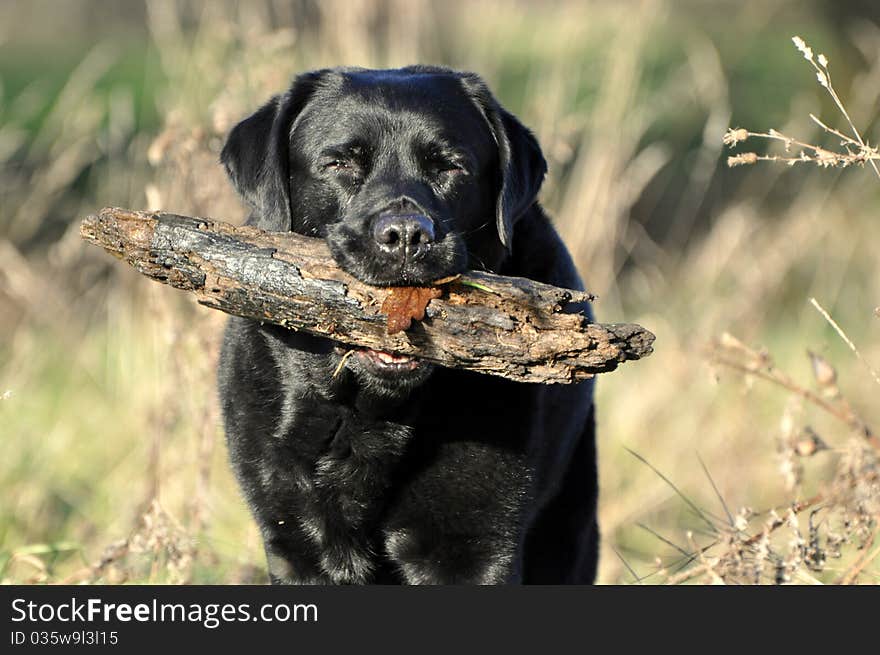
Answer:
(511, 327)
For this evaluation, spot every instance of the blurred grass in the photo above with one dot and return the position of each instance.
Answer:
(111, 380)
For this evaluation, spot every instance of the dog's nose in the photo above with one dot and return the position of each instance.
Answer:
(404, 235)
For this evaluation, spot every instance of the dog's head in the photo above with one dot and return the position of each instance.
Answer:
(410, 175)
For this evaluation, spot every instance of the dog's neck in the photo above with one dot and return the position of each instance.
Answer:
(371, 401)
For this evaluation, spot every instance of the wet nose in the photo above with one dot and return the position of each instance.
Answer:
(404, 235)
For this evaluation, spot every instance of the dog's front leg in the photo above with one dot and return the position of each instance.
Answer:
(459, 521)
(333, 513)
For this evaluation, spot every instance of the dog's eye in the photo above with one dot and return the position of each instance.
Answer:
(344, 158)
(450, 167)
(342, 166)
(440, 163)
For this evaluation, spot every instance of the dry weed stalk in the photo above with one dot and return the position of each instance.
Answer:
(159, 549)
(845, 338)
(845, 512)
(730, 352)
(854, 149)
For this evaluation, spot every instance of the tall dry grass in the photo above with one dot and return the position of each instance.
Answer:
(117, 469)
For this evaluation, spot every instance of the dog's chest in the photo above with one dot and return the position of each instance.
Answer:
(344, 462)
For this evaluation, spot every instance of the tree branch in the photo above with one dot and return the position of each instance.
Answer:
(511, 327)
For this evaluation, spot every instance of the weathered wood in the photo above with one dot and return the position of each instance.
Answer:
(511, 327)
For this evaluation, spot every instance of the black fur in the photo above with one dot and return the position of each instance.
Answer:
(410, 473)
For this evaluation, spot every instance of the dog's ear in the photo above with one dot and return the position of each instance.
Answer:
(522, 163)
(256, 155)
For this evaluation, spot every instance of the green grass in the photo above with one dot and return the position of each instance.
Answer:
(42, 70)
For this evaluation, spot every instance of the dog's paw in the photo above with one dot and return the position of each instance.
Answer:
(451, 559)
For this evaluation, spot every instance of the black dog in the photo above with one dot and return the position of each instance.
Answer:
(393, 471)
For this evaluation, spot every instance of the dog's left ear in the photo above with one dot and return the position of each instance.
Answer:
(522, 163)
(256, 155)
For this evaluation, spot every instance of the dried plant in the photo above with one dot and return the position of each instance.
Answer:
(854, 149)
(795, 542)
(840, 520)
(159, 549)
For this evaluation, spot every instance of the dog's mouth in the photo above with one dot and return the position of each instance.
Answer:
(381, 362)
(387, 362)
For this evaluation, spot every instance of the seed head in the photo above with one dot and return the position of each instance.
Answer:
(823, 371)
(732, 137)
(809, 443)
(803, 47)
(742, 159)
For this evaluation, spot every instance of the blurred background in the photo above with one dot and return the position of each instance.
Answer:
(114, 467)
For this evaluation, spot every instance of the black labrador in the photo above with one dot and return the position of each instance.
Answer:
(392, 470)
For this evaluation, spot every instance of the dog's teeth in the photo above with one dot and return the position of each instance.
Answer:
(389, 358)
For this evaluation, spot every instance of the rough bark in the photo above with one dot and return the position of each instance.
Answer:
(511, 327)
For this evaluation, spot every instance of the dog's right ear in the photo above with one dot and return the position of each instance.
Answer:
(256, 155)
